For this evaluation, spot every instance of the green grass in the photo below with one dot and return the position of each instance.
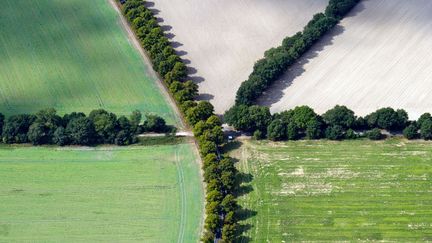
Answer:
(103, 194)
(72, 55)
(337, 191)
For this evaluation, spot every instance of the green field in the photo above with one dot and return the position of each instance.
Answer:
(337, 191)
(72, 55)
(104, 194)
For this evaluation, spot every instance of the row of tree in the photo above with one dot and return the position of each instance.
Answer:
(219, 171)
(336, 124)
(277, 60)
(99, 127)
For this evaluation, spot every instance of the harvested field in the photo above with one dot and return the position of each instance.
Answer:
(74, 56)
(378, 56)
(103, 194)
(221, 40)
(350, 191)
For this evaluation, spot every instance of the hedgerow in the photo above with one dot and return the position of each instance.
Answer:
(99, 127)
(277, 60)
(219, 171)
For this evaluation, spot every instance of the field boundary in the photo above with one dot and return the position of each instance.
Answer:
(145, 57)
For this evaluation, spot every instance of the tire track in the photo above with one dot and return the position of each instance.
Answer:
(183, 211)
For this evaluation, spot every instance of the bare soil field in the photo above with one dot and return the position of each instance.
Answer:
(380, 55)
(221, 40)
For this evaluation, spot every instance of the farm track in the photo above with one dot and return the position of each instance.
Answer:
(183, 198)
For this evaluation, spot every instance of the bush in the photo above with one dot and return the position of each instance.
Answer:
(339, 8)
(277, 130)
(375, 134)
(258, 135)
(351, 134)
(388, 118)
(411, 132)
(426, 129)
(249, 118)
(340, 115)
(335, 132)
(154, 123)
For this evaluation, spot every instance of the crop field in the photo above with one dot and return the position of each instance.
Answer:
(337, 191)
(103, 194)
(221, 40)
(74, 56)
(379, 56)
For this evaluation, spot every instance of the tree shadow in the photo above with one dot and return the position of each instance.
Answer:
(276, 91)
(205, 96)
(231, 146)
(196, 79)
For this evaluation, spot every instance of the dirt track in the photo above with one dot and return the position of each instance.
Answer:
(221, 40)
(379, 56)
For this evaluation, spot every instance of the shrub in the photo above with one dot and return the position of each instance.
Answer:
(351, 134)
(258, 135)
(388, 118)
(340, 115)
(277, 130)
(375, 134)
(335, 132)
(339, 8)
(426, 129)
(411, 132)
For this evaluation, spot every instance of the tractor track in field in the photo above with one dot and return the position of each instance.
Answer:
(183, 212)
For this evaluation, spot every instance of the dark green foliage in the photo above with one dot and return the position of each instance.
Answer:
(249, 118)
(277, 60)
(202, 111)
(258, 135)
(426, 129)
(135, 120)
(340, 115)
(229, 232)
(335, 132)
(2, 118)
(219, 173)
(105, 125)
(81, 131)
(388, 118)
(424, 117)
(154, 123)
(339, 8)
(277, 130)
(411, 132)
(314, 129)
(302, 115)
(292, 131)
(60, 137)
(375, 134)
(16, 128)
(38, 134)
(351, 134)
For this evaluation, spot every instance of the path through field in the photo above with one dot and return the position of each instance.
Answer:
(378, 56)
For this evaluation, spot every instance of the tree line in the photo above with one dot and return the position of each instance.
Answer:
(219, 170)
(336, 124)
(277, 60)
(99, 127)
